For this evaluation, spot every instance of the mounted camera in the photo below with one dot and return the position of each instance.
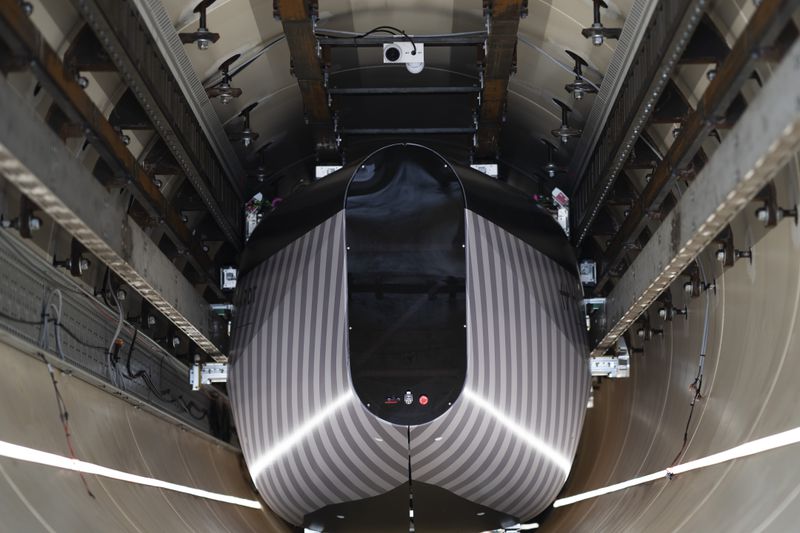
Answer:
(407, 52)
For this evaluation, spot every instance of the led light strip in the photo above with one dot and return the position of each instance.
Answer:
(23, 453)
(764, 444)
(291, 440)
(532, 440)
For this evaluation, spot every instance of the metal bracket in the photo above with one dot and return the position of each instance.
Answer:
(208, 373)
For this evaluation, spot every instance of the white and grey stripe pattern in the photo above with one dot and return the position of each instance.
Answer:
(525, 350)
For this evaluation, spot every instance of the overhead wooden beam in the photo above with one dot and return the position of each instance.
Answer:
(499, 62)
(759, 146)
(298, 26)
(766, 24)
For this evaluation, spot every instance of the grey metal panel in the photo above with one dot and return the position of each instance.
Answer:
(525, 349)
(25, 279)
(35, 160)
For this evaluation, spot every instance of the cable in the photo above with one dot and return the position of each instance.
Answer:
(391, 30)
(189, 407)
(526, 42)
(63, 415)
(112, 365)
(697, 384)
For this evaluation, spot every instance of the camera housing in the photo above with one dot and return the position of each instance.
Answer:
(412, 55)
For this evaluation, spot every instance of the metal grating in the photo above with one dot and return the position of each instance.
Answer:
(26, 279)
(172, 108)
(668, 33)
(633, 31)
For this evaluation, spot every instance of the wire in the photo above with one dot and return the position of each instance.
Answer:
(697, 384)
(63, 415)
(541, 50)
(110, 359)
(391, 30)
(163, 395)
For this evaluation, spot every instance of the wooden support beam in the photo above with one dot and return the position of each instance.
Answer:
(501, 46)
(298, 26)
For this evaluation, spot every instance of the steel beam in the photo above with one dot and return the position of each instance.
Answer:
(501, 49)
(767, 22)
(408, 131)
(471, 39)
(668, 32)
(34, 159)
(298, 27)
(25, 40)
(124, 35)
(368, 91)
(766, 137)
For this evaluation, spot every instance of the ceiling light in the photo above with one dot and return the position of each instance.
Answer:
(31, 455)
(771, 442)
(529, 438)
(296, 436)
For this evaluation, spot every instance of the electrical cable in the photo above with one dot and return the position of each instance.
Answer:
(189, 407)
(112, 365)
(541, 50)
(63, 415)
(697, 384)
(391, 30)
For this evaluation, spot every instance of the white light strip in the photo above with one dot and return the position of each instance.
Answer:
(532, 440)
(31, 455)
(771, 442)
(291, 440)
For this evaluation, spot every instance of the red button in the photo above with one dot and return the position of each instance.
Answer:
(423, 400)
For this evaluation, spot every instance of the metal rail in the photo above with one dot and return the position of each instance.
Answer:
(767, 22)
(25, 40)
(764, 139)
(34, 159)
(125, 37)
(367, 91)
(670, 30)
(471, 39)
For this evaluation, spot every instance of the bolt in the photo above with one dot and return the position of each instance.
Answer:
(721, 255)
(82, 81)
(688, 287)
(762, 214)
(711, 74)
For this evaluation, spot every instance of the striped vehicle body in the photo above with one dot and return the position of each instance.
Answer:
(526, 361)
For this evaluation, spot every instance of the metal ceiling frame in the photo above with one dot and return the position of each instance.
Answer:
(764, 139)
(34, 159)
(669, 31)
(124, 34)
(762, 29)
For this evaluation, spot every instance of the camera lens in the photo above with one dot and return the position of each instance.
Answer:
(392, 53)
